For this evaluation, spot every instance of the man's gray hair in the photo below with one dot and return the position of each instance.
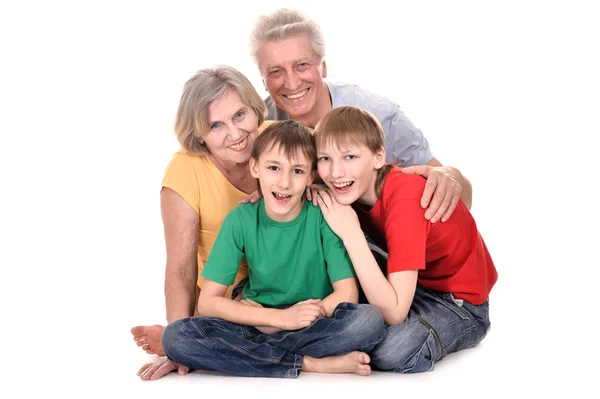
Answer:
(282, 24)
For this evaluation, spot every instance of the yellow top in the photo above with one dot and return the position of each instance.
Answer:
(200, 183)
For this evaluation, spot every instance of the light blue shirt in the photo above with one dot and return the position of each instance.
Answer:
(403, 141)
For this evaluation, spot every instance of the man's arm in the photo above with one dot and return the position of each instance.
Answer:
(406, 144)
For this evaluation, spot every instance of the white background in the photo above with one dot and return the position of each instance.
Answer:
(505, 91)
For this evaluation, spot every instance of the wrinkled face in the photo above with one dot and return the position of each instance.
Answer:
(233, 129)
(293, 74)
(282, 181)
(349, 172)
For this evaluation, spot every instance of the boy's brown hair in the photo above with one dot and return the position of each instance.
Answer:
(291, 137)
(346, 125)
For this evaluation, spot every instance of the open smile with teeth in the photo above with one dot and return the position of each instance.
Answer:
(240, 145)
(343, 185)
(297, 95)
(281, 197)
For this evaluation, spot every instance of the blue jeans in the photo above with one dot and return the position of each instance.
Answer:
(437, 324)
(210, 343)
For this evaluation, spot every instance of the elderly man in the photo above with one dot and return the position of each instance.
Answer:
(289, 50)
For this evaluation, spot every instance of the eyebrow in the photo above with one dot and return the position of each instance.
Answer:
(298, 165)
(293, 62)
(242, 108)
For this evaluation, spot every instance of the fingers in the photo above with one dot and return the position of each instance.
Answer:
(430, 188)
(453, 204)
(255, 197)
(441, 209)
(308, 194)
(182, 370)
(311, 301)
(422, 170)
(326, 198)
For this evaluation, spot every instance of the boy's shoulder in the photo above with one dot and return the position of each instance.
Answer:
(398, 184)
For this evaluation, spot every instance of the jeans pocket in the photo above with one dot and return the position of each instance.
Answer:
(449, 302)
(424, 359)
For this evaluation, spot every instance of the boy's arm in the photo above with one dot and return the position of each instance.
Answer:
(345, 290)
(212, 303)
(392, 296)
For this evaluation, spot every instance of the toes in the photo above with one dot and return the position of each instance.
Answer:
(364, 369)
(363, 357)
(138, 330)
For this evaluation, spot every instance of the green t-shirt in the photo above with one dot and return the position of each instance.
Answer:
(288, 262)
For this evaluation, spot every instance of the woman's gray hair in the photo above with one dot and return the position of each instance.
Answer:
(206, 86)
(282, 24)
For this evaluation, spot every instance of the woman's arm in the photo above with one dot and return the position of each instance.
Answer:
(181, 223)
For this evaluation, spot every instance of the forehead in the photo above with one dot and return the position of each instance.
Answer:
(342, 145)
(286, 51)
(276, 153)
(224, 106)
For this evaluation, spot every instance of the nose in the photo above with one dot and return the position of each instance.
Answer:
(234, 132)
(284, 181)
(291, 80)
(337, 170)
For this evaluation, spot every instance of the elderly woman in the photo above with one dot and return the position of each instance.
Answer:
(218, 120)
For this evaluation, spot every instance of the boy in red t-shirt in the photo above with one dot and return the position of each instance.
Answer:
(433, 292)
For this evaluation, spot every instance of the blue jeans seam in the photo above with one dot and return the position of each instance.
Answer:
(243, 350)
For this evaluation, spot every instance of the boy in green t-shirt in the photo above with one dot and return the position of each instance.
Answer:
(299, 311)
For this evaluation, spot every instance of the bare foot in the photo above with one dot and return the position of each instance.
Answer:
(149, 338)
(353, 362)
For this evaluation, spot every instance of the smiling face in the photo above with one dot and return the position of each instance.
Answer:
(293, 74)
(282, 181)
(233, 128)
(350, 172)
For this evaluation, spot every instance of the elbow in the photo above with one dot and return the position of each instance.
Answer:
(394, 317)
(353, 296)
(203, 308)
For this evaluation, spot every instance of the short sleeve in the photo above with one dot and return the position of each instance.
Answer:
(181, 176)
(227, 252)
(404, 143)
(406, 228)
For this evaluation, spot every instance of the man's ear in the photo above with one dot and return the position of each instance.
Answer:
(380, 158)
(264, 84)
(253, 167)
(324, 69)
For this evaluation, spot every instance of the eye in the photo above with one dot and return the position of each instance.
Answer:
(273, 168)
(274, 72)
(215, 125)
(351, 157)
(239, 114)
(323, 159)
(303, 65)
(297, 171)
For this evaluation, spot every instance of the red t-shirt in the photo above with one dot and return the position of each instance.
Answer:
(450, 256)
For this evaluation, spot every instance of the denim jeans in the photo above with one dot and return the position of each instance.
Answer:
(210, 343)
(437, 324)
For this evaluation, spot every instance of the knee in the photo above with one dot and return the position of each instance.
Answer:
(407, 349)
(173, 340)
(369, 321)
